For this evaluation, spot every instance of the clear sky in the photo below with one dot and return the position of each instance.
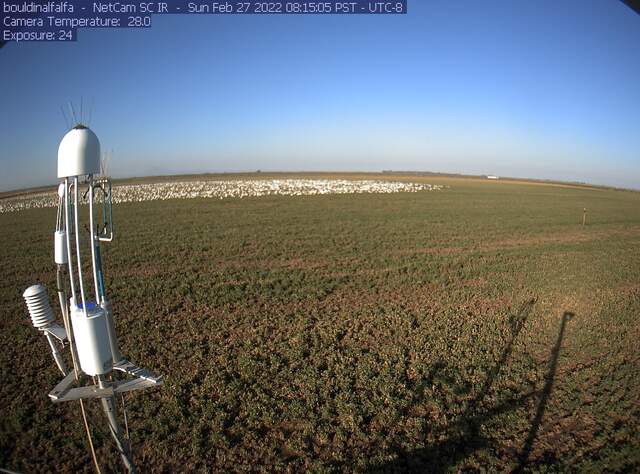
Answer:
(544, 89)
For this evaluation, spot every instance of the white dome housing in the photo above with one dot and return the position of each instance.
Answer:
(79, 153)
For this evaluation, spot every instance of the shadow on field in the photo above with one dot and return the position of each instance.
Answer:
(462, 436)
(546, 393)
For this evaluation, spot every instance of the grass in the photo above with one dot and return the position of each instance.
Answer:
(480, 327)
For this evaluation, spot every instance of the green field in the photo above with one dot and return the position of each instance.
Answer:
(478, 327)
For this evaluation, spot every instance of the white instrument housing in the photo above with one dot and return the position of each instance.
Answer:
(60, 247)
(92, 339)
(38, 304)
(79, 153)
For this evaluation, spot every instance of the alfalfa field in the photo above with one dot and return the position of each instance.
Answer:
(480, 326)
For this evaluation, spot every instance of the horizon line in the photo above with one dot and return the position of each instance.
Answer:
(388, 172)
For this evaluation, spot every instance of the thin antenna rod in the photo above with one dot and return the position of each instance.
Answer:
(81, 113)
(73, 113)
(66, 120)
(90, 112)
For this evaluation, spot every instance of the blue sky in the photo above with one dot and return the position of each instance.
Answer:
(545, 89)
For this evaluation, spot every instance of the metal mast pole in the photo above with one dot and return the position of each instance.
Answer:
(109, 407)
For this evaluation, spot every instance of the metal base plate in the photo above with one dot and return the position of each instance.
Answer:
(143, 379)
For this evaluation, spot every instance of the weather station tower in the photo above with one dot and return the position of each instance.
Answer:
(99, 370)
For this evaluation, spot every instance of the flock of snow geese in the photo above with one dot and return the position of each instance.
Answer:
(227, 189)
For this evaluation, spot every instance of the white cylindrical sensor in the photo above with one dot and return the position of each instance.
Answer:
(60, 245)
(92, 339)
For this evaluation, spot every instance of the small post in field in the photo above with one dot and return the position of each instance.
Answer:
(584, 216)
